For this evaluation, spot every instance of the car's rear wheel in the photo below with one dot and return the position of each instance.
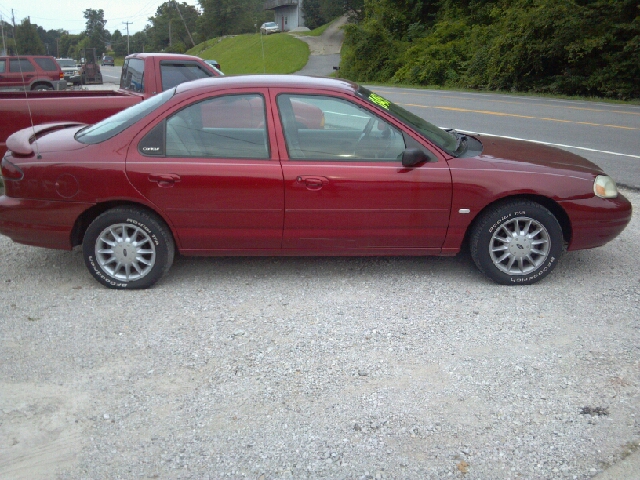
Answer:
(128, 248)
(41, 87)
(517, 243)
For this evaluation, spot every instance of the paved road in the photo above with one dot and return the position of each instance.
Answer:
(324, 50)
(111, 74)
(606, 134)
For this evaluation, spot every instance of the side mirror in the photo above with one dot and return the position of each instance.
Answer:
(413, 156)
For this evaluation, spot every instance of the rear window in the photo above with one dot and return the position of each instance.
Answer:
(133, 75)
(21, 65)
(47, 64)
(174, 74)
(67, 63)
(107, 128)
(108, 58)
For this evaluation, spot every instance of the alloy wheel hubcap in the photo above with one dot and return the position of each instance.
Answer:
(519, 246)
(125, 252)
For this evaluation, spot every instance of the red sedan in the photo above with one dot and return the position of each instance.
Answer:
(286, 165)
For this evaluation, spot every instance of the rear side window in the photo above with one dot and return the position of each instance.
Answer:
(133, 75)
(47, 64)
(3, 66)
(21, 65)
(174, 74)
(230, 126)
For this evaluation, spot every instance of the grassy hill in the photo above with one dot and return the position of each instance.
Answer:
(243, 54)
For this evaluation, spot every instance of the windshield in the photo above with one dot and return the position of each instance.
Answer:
(443, 139)
(270, 24)
(67, 63)
(109, 127)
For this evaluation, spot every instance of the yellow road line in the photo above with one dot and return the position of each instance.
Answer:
(502, 114)
(601, 110)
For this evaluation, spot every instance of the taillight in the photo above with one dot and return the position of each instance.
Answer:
(10, 171)
(61, 75)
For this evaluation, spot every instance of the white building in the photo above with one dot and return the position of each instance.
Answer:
(288, 13)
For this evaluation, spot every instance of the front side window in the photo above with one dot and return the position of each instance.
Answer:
(21, 65)
(174, 74)
(230, 126)
(115, 124)
(3, 66)
(319, 127)
(441, 138)
(47, 64)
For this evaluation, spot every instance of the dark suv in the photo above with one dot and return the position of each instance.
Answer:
(32, 73)
(107, 60)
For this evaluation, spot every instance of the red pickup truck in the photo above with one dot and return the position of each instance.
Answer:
(143, 75)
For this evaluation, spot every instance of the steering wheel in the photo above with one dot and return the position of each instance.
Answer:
(365, 132)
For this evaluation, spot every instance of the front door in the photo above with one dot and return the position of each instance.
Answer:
(214, 177)
(345, 186)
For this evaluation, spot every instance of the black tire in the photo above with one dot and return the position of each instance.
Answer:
(134, 231)
(521, 258)
(42, 87)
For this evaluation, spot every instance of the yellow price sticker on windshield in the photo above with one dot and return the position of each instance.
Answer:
(378, 100)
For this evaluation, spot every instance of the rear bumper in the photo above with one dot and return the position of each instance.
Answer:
(596, 221)
(60, 85)
(42, 223)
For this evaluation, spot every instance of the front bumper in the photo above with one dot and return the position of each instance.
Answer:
(596, 221)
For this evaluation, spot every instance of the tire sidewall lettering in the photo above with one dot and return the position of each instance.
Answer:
(98, 272)
(499, 222)
(540, 272)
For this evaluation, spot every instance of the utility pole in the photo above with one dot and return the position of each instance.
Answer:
(127, 24)
(4, 47)
(185, 23)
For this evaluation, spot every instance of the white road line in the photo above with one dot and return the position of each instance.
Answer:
(550, 144)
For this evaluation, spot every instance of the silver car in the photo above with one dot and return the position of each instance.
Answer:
(269, 27)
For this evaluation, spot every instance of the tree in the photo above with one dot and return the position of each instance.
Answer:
(231, 17)
(95, 30)
(27, 40)
(168, 31)
(119, 43)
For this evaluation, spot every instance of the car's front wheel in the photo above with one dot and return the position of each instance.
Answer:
(517, 243)
(128, 248)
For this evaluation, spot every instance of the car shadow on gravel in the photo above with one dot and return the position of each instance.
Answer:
(210, 268)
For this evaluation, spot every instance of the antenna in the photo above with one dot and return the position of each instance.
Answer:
(24, 87)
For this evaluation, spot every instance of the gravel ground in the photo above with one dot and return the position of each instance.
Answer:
(352, 368)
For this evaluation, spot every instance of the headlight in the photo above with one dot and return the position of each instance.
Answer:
(605, 187)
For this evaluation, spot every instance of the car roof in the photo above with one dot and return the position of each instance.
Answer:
(165, 56)
(269, 81)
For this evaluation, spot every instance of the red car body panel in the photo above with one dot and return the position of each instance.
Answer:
(279, 206)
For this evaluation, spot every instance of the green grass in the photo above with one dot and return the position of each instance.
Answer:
(242, 54)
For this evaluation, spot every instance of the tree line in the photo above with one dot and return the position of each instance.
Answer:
(575, 47)
(175, 27)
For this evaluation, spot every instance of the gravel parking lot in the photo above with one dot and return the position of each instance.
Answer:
(356, 368)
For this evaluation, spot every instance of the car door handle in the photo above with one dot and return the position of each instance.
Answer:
(313, 182)
(164, 179)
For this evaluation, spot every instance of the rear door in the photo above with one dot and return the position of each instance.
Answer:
(211, 167)
(21, 72)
